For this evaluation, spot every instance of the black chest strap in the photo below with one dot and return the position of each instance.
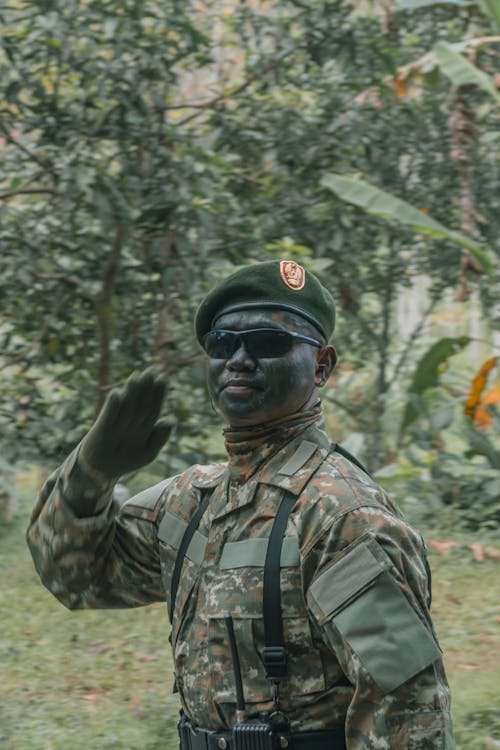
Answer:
(183, 548)
(344, 452)
(274, 654)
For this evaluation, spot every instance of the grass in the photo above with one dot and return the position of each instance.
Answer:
(102, 679)
(93, 679)
(466, 612)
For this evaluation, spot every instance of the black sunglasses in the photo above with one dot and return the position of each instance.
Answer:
(258, 342)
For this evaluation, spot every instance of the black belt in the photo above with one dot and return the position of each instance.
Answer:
(197, 738)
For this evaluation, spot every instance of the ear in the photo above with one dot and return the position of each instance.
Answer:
(326, 359)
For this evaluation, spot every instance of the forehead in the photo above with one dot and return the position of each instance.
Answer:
(247, 319)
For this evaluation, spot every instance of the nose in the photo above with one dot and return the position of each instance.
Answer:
(241, 359)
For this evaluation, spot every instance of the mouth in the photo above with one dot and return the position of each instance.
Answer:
(238, 386)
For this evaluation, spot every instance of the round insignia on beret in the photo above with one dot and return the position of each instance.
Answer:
(292, 274)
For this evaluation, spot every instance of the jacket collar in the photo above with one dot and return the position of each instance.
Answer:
(291, 468)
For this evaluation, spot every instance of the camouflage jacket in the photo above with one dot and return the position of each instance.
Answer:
(360, 643)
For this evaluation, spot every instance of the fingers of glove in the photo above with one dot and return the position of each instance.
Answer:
(137, 395)
(148, 393)
(110, 411)
(152, 404)
(159, 436)
(98, 443)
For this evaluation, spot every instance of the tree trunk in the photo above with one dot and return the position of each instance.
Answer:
(464, 132)
(165, 341)
(104, 315)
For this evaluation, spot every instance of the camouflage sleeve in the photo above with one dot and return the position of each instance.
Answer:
(107, 558)
(369, 595)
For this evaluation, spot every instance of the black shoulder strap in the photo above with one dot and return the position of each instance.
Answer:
(274, 654)
(183, 547)
(344, 452)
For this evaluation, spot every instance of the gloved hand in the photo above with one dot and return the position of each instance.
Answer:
(127, 434)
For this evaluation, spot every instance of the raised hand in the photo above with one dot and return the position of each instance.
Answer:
(127, 434)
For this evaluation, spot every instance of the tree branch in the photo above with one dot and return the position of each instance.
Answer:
(202, 106)
(28, 349)
(46, 165)
(348, 409)
(69, 279)
(28, 191)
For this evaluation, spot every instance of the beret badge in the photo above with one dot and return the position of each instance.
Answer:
(292, 274)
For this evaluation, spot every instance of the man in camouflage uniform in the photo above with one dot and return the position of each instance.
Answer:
(363, 665)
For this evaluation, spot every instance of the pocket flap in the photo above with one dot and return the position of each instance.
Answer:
(252, 553)
(171, 531)
(346, 578)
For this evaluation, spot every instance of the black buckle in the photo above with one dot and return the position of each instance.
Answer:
(191, 737)
(274, 658)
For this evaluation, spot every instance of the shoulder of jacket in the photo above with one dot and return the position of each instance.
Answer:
(205, 475)
(337, 488)
(336, 474)
(148, 503)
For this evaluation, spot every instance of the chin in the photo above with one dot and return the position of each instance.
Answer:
(242, 410)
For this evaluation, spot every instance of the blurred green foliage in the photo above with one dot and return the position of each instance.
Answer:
(149, 150)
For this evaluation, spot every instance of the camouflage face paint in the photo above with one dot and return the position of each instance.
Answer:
(250, 391)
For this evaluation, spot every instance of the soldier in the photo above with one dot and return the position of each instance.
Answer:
(288, 565)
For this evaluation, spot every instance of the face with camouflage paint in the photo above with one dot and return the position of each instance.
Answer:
(249, 391)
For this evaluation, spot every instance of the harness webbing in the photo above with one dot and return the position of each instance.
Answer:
(274, 654)
(183, 547)
(344, 452)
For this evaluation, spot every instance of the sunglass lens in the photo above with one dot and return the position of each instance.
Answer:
(263, 342)
(220, 344)
(268, 343)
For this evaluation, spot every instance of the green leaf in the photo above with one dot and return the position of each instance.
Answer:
(427, 372)
(378, 202)
(491, 8)
(461, 72)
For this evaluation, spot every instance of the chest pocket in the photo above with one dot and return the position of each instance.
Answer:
(239, 591)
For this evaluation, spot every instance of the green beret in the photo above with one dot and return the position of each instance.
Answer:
(272, 285)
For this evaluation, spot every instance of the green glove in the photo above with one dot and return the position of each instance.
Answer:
(127, 433)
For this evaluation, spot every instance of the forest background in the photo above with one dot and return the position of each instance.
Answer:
(149, 149)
